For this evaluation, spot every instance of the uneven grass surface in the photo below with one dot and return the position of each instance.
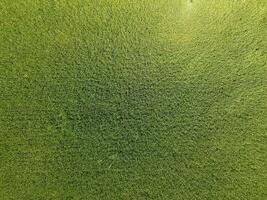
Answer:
(133, 99)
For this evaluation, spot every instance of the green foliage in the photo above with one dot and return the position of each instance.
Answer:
(133, 99)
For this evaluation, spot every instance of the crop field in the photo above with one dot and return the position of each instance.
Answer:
(133, 100)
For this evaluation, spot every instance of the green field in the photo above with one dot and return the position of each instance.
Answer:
(133, 99)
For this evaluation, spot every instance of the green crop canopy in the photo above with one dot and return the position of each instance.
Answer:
(133, 99)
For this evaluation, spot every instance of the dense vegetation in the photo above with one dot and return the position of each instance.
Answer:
(133, 99)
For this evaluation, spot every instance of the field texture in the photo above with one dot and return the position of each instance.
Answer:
(133, 99)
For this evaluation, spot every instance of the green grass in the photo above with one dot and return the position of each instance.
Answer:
(133, 99)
